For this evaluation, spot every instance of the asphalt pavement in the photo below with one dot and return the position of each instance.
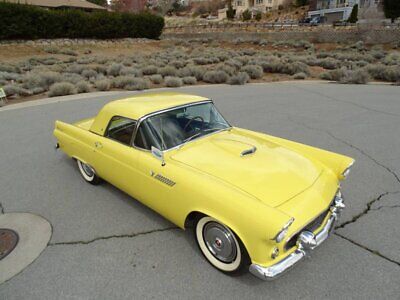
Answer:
(106, 245)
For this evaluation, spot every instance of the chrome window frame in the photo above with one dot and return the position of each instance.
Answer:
(105, 134)
(143, 118)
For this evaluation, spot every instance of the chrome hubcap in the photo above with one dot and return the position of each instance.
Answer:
(88, 170)
(220, 242)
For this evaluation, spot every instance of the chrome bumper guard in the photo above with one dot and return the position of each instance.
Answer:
(307, 241)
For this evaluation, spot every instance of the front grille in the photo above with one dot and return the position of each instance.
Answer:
(312, 226)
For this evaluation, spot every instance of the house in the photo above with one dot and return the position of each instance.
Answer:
(332, 10)
(258, 5)
(371, 11)
(253, 5)
(61, 4)
(134, 5)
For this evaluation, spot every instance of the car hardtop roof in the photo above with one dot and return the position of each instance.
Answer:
(141, 105)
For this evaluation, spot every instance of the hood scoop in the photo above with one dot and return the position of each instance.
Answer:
(248, 151)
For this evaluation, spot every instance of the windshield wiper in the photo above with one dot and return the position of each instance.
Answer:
(191, 137)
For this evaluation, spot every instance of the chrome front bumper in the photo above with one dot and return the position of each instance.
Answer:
(306, 242)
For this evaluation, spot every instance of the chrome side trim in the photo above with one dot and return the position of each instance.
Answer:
(165, 180)
(306, 242)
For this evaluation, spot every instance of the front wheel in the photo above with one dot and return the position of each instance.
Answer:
(221, 247)
(88, 173)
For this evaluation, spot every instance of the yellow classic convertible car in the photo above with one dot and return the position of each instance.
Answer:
(255, 202)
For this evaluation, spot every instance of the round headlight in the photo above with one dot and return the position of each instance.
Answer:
(282, 233)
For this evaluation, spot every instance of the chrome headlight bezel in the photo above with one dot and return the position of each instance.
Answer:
(283, 232)
(346, 172)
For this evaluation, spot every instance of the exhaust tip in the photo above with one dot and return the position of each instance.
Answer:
(57, 146)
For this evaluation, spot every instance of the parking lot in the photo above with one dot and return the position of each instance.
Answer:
(106, 245)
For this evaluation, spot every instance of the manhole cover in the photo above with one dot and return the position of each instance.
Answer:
(8, 241)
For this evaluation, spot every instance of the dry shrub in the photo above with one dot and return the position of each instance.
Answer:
(103, 85)
(156, 78)
(190, 80)
(16, 90)
(215, 77)
(82, 87)
(62, 89)
(171, 81)
(114, 69)
(168, 71)
(253, 71)
(239, 79)
(149, 70)
(300, 75)
(138, 84)
(190, 70)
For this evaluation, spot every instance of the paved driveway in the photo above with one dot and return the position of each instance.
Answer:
(106, 245)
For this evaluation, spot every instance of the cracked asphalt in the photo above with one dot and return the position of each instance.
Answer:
(106, 245)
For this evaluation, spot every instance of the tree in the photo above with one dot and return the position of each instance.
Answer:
(164, 6)
(177, 5)
(354, 15)
(99, 2)
(119, 5)
(391, 9)
(230, 13)
(302, 2)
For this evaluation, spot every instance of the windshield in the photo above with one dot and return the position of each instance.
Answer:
(175, 127)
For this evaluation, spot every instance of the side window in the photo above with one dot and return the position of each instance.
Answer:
(121, 129)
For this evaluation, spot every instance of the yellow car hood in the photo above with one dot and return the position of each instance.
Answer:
(273, 174)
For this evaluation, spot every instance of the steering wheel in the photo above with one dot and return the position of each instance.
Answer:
(191, 120)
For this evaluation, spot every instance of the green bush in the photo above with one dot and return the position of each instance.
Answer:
(258, 16)
(246, 15)
(28, 22)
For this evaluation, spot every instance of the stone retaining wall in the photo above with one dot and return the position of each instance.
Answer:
(370, 35)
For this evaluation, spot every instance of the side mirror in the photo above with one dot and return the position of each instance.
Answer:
(157, 153)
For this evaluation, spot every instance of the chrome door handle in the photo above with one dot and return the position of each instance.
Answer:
(98, 145)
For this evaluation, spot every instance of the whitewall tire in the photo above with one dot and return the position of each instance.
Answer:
(88, 172)
(220, 246)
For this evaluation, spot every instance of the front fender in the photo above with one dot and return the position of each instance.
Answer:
(255, 223)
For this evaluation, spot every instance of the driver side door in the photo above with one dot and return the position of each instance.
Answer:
(117, 159)
(157, 179)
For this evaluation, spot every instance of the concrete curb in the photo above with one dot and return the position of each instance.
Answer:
(34, 234)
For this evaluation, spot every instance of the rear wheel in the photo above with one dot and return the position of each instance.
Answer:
(88, 173)
(221, 247)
